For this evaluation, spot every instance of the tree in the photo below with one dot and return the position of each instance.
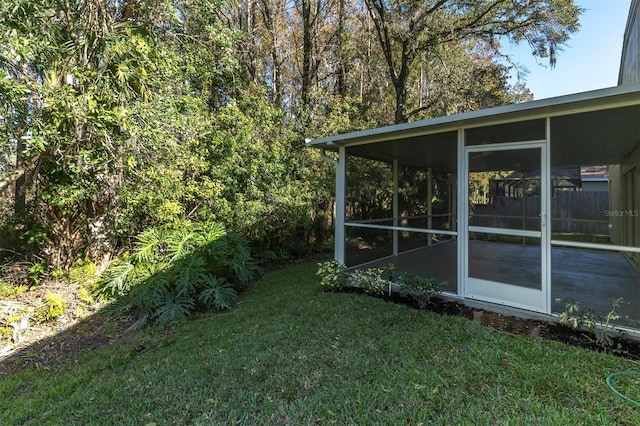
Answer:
(79, 81)
(407, 29)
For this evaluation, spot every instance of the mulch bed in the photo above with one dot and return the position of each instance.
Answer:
(622, 346)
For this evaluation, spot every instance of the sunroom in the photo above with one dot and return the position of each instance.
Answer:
(501, 203)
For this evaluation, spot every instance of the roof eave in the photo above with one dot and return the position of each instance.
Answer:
(567, 104)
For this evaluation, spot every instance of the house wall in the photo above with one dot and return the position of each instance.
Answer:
(630, 61)
(624, 179)
(616, 203)
(630, 169)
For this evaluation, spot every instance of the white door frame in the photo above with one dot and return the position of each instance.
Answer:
(494, 292)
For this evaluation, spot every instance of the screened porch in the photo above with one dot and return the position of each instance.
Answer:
(493, 202)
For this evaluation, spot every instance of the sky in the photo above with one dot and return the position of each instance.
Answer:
(591, 58)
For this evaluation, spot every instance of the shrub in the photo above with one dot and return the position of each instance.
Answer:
(370, 280)
(178, 267)
(333, 275)
(37, 271)
(419, 288)
(602, 326)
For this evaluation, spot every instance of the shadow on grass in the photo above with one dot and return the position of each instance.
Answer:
(100, 330)
(93, 332)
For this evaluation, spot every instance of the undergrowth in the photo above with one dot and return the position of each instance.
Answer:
(177, 268)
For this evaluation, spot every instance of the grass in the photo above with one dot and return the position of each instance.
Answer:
(290, 354)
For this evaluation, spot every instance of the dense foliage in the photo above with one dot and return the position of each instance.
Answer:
(175, 268)
(121, 116)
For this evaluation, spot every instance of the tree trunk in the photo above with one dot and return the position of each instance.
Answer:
(400, 85)
(341, 78)
(307, 51)
(20, 189)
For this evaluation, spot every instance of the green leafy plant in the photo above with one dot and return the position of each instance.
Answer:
(175, 268)
(419, 288)
(603, 327)
(84, 273)
(370, 280)
(12, 326)
(37, 272)
(86, 298)
(333, 275)
(36, 234)
(5, 333)
(8, 290)
(54, 307)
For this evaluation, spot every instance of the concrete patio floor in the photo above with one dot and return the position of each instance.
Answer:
(587, 276)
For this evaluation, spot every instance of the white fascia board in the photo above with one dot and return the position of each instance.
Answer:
(612, 97)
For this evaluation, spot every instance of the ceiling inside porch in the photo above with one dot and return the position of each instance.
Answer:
(596, 137)
(438, 151)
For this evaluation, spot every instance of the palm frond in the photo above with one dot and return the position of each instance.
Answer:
(118, 279)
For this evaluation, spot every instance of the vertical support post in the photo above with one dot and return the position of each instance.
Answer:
(463, 214)
(545, 219)
(453, 202)
(396, 212)
(524, 204)
(341, 198)
(429, 203)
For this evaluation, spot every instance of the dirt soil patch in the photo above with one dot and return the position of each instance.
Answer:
(35, 342)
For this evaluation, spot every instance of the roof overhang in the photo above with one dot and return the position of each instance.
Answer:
(602, 101)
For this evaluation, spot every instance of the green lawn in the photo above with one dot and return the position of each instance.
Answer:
(290, 354)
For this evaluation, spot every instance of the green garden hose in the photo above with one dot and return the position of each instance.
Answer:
(615, 391)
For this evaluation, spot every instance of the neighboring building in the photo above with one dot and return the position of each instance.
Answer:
(536, 238)
(594, 178)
